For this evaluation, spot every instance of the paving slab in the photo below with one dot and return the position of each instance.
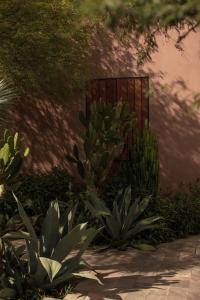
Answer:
(172, 272)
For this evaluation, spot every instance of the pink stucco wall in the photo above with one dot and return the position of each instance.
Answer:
(175, 82)
(175, 78)
(51, 128)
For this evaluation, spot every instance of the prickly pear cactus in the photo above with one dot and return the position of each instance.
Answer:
(103, 141)
(11, 160)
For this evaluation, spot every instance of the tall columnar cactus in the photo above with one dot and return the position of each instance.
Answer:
(11, 159)
(144, 162)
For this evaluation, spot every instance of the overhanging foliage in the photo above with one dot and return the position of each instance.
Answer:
(44, 46)
(147, 19)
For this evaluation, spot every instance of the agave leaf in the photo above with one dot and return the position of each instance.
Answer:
(32, 257)
(149, 221)
(70, 217)
(64, 220)
(17, 235)
(130, 218)
(69, 266)
(50, 230)
(126, 199)
(52, 267)
(73, 263)
(28, 225)
(133, 213)
(144, 247)
(88, 238)
(88, 274)
(60, 279)
(142, 225)
(116, 213)
(119, 195)
(94, 211)
(96, 206)
(113, 227)
(69, 242)
(140, 208)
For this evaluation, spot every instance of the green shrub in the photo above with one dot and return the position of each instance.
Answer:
(181, 214)
(44, 46)
(36, 191)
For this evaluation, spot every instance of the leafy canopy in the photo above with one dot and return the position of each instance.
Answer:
(147, 18)
(44, 45)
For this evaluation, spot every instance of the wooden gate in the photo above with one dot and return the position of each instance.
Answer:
(132, 90)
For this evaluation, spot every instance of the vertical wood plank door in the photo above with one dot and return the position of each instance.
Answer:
(132, 90)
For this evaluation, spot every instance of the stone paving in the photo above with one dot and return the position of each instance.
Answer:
(172, 272)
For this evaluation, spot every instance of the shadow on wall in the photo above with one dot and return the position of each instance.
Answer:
(178, 133)
(171, 119)
(110, 57)
(51, 129)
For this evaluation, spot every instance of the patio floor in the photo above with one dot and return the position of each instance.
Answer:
(172, 272)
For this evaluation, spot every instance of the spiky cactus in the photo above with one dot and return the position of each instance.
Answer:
(144, 162)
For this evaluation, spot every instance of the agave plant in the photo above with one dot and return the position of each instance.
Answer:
(123, 223)
(11, 159)
(53, 258)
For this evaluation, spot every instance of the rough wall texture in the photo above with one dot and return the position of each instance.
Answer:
(51, 128)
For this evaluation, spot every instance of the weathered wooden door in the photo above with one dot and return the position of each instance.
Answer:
(133, 90)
